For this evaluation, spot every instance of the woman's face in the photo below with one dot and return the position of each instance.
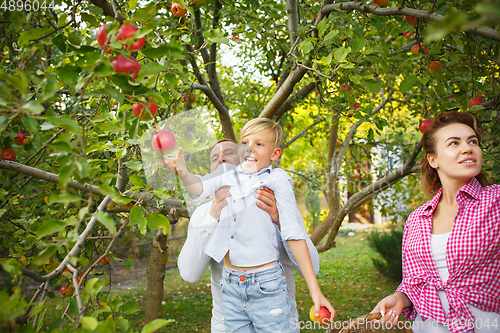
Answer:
(458, 155)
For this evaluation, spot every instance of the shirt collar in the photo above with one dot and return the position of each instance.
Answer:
(258, 173)
(473, 188)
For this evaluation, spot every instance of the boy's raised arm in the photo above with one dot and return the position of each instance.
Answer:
(301, 254)
(178, 165)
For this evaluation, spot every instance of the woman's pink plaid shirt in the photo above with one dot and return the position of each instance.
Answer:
(472, 256)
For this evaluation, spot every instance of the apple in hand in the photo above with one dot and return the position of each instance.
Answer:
(163, 141)
(140, 112)
(8, 155)
(475, 101)
(126, 31)
(129, 65)
(412, 20)
(381, 3)
(178, 10)
(424, 125)
(324, 315)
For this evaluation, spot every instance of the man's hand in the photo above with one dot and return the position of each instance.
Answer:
(269, 204)
(176, 164)
(219, 202)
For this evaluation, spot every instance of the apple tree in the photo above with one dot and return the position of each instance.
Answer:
(83, 82)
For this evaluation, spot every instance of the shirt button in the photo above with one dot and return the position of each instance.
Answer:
(234, 200)
(232, 237)
(234, 219)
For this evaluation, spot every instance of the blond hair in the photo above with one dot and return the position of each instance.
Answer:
(258, 125)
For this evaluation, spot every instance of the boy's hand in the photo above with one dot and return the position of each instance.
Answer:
(176, 164)
(269, 203)
(219, 201)
(319, 301)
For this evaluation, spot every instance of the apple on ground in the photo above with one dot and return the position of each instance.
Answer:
(19, 139)
(177, 10)
(163, 141)
(435, 66)
(424, 125)
(139, 110)
(129, 65)
(8, 155)
(412, 20)
(127, 31)
(381, 3)
(475, 101)
(324, 315)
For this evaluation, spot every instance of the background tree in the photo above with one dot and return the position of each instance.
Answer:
(350, 83)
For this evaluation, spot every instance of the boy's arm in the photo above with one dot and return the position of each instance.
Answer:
(178, 165)
(301, 254)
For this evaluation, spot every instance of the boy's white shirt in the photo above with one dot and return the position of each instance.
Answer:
(245, 230)
(193, 260)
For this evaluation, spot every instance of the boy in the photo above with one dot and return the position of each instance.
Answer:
(254, 290)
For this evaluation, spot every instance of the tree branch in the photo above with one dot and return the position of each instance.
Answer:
(291, 101)
(108, 10)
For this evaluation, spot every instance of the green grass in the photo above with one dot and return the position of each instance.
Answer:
(347, 278)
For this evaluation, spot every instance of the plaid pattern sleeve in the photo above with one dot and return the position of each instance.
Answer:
(472, 255)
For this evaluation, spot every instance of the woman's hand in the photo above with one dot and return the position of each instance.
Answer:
(391, 307)
(219, 202)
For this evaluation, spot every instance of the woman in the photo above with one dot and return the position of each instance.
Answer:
(451, 245)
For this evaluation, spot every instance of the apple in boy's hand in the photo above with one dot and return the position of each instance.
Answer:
(163, 141)
(324, 315)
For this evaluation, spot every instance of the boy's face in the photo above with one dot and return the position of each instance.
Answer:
(256, 151)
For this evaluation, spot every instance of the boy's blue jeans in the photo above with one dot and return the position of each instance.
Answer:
(257, 302)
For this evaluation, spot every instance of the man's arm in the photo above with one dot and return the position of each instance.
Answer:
(192, 260)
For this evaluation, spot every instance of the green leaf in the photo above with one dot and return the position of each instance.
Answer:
(331, 34)
(136, 216)
(358, 44)
(64, 198)
(134, 165)
(131, 4)
(116, 196)
(137, 181)
(322, 25)
(89, 323)
(341, 53)
(33, 107)
(106, 221)
(104, 69)
(33, 34)
(66, 123)
(151, 68)
(155, 325)
(408, 83)
(30, 123)
(122, 324)
(307, 45)
(90, 19)
(157, 52)
(438, 30)
(157, 221)
(12, 267)
(44, 256)
(374, 88)
(131, 307)
(4, 121)
(65, 174)
(50, 227)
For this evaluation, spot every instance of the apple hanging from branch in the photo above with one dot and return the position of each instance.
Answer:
(475, 101)
(8, 155)
(127, 31)
(177, 10)
(129, 65)
(424, 125)
(140, 111)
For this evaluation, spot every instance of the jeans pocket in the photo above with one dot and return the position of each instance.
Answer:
(272, 286)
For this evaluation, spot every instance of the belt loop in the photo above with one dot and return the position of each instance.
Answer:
(253, 278)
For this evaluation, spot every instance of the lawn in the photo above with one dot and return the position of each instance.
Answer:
(347, 278)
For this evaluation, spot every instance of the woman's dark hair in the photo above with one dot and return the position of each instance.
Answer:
(430, 177)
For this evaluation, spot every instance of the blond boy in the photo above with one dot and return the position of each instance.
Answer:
(254, 292)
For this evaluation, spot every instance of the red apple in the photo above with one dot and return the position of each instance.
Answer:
(8, 155)
(381, 3)
(163, 141)
(188, 97)
(178, 10)
(19, 139)
(415, 49)
(424, 125)
(357, 166)
(451, 96)
(475, 101)
(126, 31)
(324, 315)
(338, 144)
(139, 111)
(435, 66)
(129, 65)
(408, 34)
(412, 20)
(345, 86)
(67, 290)
(356, 105)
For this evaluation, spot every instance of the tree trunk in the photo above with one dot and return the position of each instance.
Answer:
(156, 276)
